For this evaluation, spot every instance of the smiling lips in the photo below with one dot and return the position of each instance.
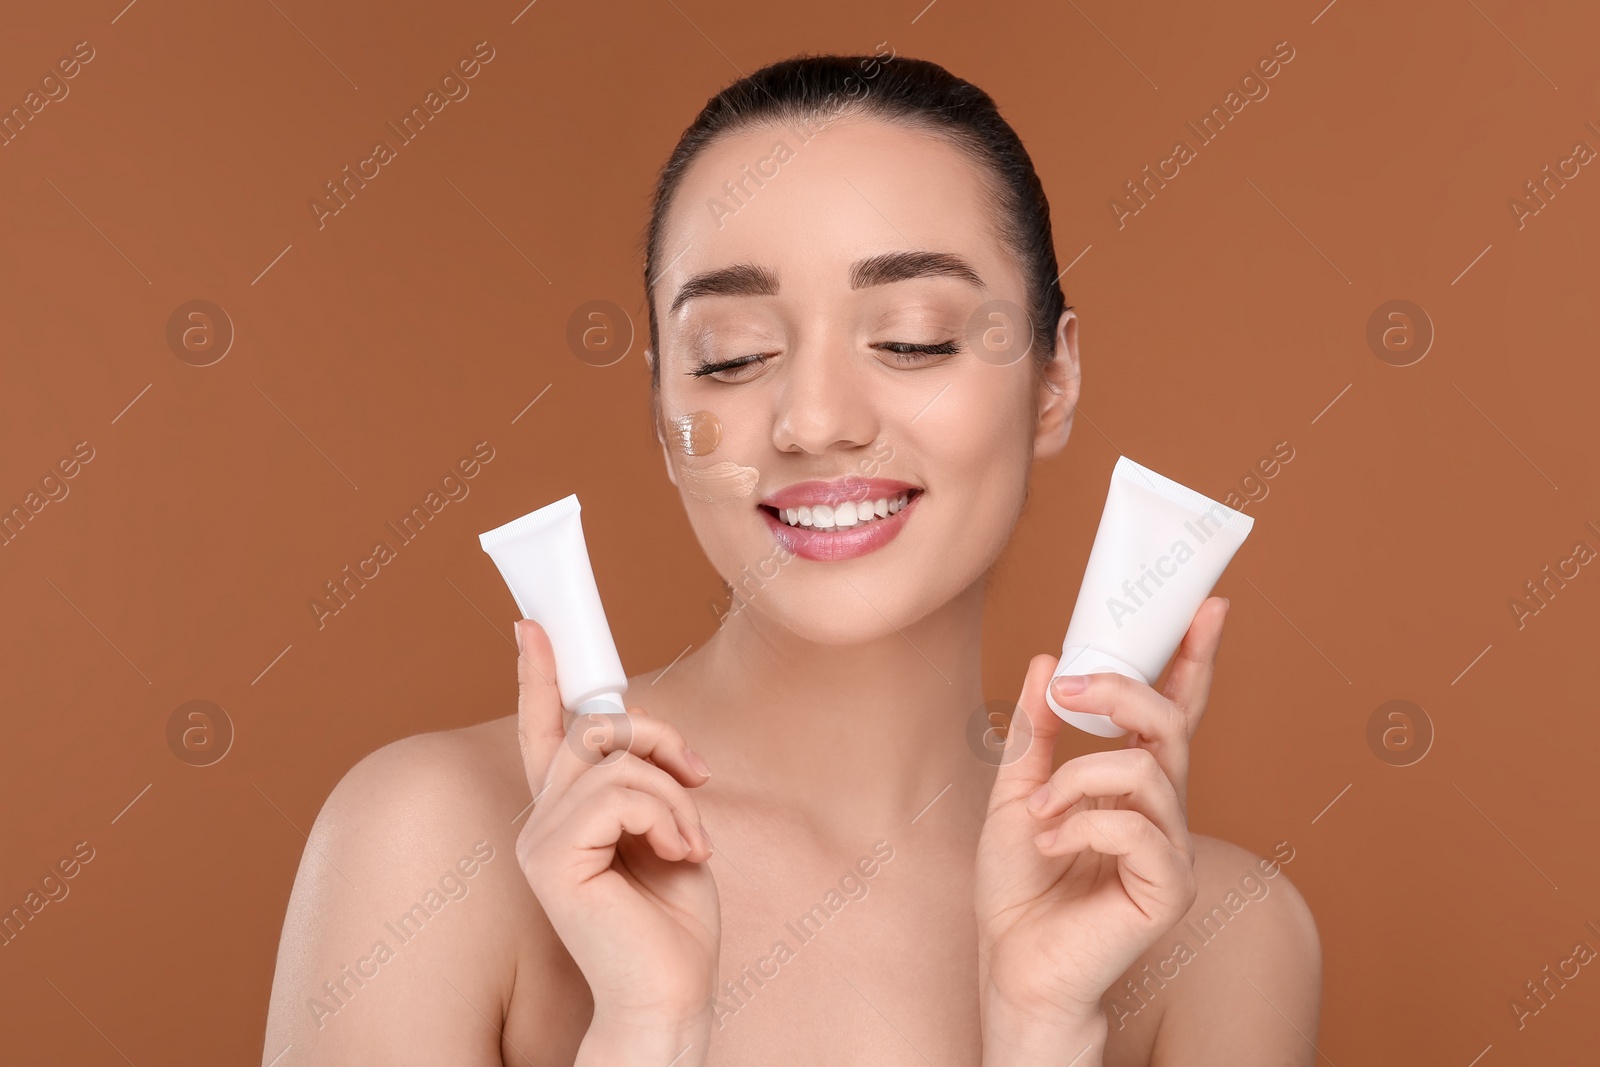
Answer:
(841, 519)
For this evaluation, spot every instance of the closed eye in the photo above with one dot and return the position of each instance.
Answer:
(707, 368)
(910, 353)
(904, 353)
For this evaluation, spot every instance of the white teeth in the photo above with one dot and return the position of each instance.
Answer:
(848, 514)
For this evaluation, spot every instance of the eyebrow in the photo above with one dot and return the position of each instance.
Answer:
(748, 279)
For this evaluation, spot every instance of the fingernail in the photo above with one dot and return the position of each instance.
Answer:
(1040, 795)
(1226, 604)
(696, 762)
(1069, 684)
(1046, 839)
(516, 630)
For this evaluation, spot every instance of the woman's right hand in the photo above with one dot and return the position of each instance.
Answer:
(616, 854)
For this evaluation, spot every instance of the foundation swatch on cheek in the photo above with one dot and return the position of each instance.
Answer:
(697, 433)
(719, 482)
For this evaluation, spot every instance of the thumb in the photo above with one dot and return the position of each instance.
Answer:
(541, 724)
(1029, 756)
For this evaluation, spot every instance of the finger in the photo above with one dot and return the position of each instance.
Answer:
(1152, 721)
(1028, 757)
(1157, 876)
(1189, 680)
(1129, 773)
(623, 770)
(613, 811)
(592, 737)
(540, 718)
(1129, 703)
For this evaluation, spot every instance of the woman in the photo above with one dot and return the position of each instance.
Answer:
(831, 243)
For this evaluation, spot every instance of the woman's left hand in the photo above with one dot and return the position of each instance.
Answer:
(1081, 870)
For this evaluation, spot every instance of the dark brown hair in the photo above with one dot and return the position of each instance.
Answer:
(807, 91)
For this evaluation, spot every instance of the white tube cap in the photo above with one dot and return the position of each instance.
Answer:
(605, 702)
(1080, 659)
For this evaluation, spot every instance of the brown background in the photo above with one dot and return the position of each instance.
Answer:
(425, 316)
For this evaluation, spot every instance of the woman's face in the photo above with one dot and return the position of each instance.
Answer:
(793, 376)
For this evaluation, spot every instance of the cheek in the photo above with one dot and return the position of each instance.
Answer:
(978, 436)
(696, 434)
(713, 454)
(973, 449)
(707, 471)
(722, 482)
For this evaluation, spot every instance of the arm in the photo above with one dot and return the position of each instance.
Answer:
(605, 883)
(1011, 1040)
(394, 946)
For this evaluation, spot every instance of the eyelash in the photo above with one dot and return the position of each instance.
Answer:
(903, 352)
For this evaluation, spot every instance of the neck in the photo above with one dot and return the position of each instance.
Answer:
(853, 736)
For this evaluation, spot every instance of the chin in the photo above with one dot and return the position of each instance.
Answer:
(821, 621)
(833, 604)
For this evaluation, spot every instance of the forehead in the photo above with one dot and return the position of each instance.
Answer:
(808, 206)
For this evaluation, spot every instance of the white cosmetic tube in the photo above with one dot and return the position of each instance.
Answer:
(543, 558)
(1160, 548)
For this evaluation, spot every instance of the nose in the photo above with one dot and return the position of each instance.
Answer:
(824, 402)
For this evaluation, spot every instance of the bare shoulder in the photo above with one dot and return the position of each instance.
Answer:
(1280, 933)
(402, 929)
(418, 802)
(437, 777)
(1242, 975)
